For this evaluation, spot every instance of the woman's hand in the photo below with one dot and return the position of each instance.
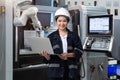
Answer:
(64, 56)
(45, 54)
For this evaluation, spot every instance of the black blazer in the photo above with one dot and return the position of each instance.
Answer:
(56, 65)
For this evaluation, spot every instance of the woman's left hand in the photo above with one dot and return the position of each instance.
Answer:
(64, 56)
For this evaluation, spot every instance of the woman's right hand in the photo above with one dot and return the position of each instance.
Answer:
(45, 54)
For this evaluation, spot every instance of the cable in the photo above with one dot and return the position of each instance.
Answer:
(82, 63)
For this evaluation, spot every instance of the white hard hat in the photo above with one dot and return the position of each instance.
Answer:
(62, 11)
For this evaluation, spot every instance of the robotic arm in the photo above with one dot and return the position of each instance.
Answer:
(28, 11)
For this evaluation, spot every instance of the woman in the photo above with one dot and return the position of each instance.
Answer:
(68, 47)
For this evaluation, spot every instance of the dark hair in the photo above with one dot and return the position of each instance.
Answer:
(68, 19)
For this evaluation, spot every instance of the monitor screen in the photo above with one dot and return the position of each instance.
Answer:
(100, 25)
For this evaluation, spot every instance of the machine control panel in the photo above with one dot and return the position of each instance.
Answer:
(98, 43)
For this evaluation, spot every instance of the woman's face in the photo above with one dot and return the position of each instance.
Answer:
(61, 23)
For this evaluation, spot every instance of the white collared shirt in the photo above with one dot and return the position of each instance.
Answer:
(64, 43)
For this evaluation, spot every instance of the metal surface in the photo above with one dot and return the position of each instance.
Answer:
(16, 46)
(116, 43)
(2, 46)
(95, 62)
(6, 41)
(92, 61)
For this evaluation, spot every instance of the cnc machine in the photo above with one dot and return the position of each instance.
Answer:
(95, 28)
(98, 46)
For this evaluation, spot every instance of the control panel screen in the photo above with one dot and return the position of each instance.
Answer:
(100, 24)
